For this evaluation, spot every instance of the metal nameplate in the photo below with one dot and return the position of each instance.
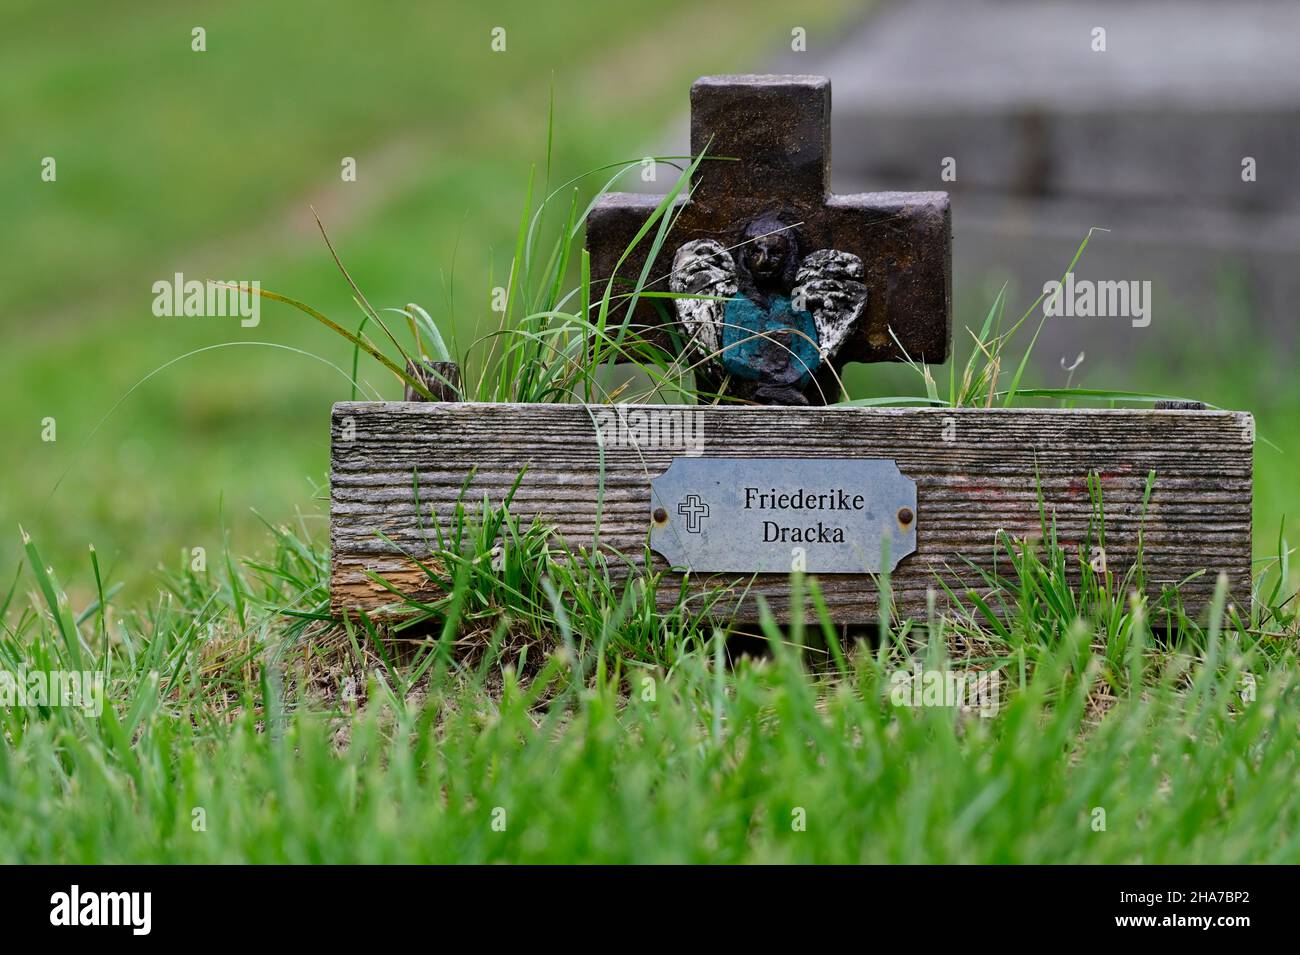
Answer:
(776, 515)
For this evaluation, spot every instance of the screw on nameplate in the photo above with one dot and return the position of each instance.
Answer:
(875, 267)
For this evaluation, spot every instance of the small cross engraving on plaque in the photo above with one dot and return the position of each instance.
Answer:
(694, 509)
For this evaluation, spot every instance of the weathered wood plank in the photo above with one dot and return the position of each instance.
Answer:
(977, 471)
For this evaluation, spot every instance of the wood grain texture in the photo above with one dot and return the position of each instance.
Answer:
(977, 472)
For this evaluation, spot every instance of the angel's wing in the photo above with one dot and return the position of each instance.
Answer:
(703, 267)
(829, 286)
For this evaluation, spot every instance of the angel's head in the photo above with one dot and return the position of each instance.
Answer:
(770, 252)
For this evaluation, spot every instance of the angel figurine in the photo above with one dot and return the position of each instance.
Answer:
(770, 319)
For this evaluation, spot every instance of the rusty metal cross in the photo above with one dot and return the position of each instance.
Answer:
(778, 130)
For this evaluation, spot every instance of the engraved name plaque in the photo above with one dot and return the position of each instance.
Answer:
(776, 515)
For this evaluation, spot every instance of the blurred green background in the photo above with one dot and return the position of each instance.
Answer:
(170, 160)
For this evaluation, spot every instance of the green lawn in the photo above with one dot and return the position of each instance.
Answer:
(541, 714)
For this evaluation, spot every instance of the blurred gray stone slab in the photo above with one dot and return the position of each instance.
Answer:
(1015, 92)
(1051, 138)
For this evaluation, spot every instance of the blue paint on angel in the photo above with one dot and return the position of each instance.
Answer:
(739, 312)
(752, 343)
